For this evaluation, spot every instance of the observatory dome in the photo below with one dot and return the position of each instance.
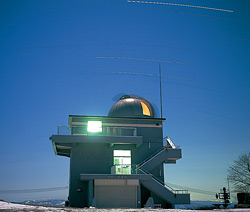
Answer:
(132, 106)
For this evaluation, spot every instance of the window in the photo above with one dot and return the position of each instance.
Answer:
(145, 109)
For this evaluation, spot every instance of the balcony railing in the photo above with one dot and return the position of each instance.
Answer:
(109, 131)
(124, 169)
(134, 169)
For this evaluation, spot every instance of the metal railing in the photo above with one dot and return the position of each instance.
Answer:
(155, 154)
(134, 169)
(164, 184)
(124, 169)
(151, 157)
(122, 131)
(109, 131)
(63, 130)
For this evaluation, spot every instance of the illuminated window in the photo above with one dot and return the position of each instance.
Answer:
(145, 109)
(94, 126)
(122, 161)
(125, 153)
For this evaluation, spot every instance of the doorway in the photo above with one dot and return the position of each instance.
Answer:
(122, 161)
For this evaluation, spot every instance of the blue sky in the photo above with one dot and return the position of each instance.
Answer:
(49, 69)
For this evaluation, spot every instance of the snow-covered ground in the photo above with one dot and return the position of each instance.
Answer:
(6, 206)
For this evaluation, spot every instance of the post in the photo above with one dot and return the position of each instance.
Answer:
(160, 88)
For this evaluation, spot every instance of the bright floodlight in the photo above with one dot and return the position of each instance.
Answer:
(94, 126)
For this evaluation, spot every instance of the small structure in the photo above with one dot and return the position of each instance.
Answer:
(223, 195)
(117, 161)
(243, 200)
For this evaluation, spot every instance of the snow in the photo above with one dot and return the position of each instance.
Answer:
(6, 206)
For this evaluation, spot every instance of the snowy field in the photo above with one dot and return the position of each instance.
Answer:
(5, 206)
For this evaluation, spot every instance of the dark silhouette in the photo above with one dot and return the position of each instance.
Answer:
(243, 200)
(239, 174)
(225, 196)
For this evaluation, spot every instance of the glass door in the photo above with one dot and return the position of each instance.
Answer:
(122, 161)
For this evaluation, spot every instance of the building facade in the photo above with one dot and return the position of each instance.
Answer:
(117, 161)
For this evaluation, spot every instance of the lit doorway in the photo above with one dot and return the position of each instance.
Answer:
(122, 161)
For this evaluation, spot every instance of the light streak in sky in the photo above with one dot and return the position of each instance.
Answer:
(198, 14)
(180, 5)
(152, 75)
(144, 59)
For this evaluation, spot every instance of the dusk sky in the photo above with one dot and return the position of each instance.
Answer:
(64, 57)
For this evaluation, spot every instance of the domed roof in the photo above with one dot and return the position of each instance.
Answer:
(132, 106)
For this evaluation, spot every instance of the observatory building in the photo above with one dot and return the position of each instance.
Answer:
(117, 161)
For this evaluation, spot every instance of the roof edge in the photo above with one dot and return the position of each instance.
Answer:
(111, 117)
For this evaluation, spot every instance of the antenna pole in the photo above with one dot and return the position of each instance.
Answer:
(160, 88)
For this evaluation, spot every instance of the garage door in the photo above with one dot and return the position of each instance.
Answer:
(116, 196)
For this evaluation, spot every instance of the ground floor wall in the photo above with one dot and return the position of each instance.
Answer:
(112, 193)
(79, 193)
(105, 193)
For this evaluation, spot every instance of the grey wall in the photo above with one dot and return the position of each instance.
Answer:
(97, 158)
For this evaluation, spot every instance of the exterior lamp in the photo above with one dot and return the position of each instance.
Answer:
(94, 126)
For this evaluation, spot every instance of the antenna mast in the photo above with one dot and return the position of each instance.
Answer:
(160, 88)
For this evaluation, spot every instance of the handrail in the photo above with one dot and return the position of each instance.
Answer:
(158, 180)
(164, 184)
(124, 169)
(151, 157)
(106, 130)
(60, 126)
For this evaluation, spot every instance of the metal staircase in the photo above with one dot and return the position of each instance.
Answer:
(168, 154)
(164, 191)
(164, 155)
(151, 157)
